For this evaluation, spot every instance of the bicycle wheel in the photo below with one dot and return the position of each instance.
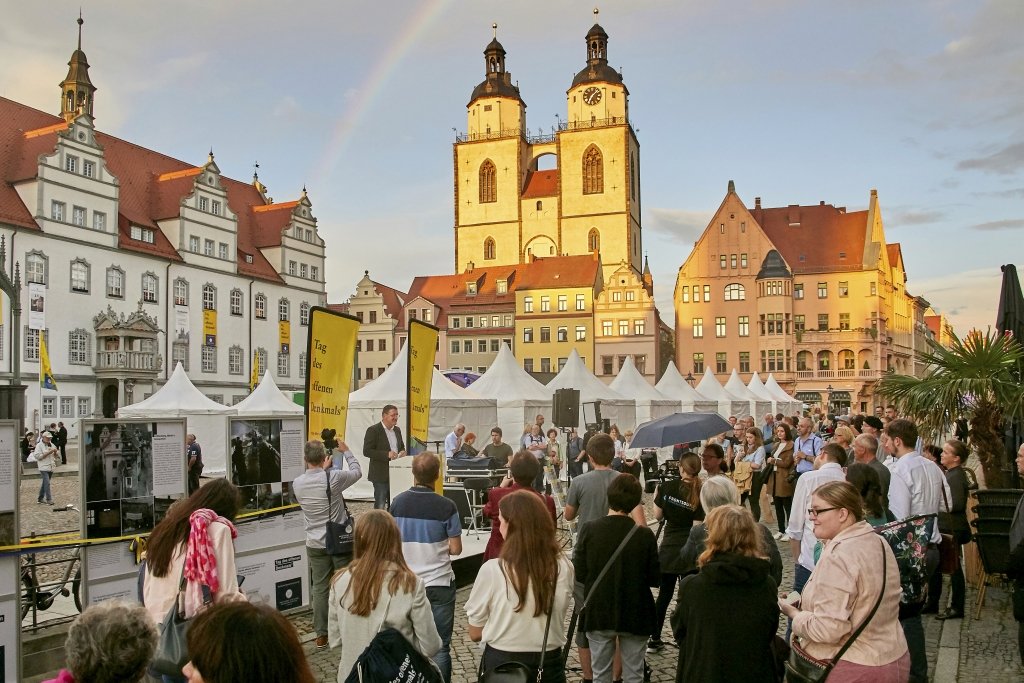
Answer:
(76, 589)
(28, 594)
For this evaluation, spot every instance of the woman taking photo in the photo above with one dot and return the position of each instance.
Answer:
(954, 522)
(677, 506)
(779, 487)
(377, 590)
(194, 540)
(515, 594)
(727, 615)
(844, 589)
(239, 642)
(754, 454)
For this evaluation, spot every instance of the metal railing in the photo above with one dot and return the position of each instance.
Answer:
(128, 360)
(542, 137)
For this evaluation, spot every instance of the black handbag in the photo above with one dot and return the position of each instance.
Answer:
(172, 647)
(340, 535)
(390, 657)
(803, 668)
(517, 672)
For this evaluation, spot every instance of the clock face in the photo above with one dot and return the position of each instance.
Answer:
(591, 95)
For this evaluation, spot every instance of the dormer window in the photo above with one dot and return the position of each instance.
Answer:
(143, 234)
(470, 289)
(215, 207)
(502, 286)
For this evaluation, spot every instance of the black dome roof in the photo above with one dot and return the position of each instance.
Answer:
(774, 266)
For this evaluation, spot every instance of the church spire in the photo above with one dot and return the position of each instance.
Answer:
(497, 81)
(77, 89)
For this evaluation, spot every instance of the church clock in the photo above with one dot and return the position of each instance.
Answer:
(592, 96)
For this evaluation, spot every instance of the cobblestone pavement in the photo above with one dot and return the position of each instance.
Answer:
(988, 646)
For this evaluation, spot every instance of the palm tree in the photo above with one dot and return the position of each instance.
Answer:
(976, 378)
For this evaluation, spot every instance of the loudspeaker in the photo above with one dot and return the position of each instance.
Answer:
(566, 407)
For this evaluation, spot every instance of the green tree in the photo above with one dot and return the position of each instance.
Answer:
(975, 378)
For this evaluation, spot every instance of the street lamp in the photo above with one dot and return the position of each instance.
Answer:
(829, 390)
(690, 379)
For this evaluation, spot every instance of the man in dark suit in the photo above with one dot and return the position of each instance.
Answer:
(382, 444)
(62, 435)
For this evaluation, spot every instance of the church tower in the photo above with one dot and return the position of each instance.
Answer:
(76, 90)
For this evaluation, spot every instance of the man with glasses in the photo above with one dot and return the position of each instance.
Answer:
(807, 446)
(382, 444)
(801, 522)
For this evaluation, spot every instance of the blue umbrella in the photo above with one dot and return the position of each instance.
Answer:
(679, 428)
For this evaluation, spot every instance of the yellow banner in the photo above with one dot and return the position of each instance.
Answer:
(284, 336)
(422, 348)
(209, 327)
(331, 354)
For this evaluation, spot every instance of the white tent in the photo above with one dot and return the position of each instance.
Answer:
(267, 399)
(728, 405)
(618, 409)
(674, 386)
(519, 396)
(758, 406)
(206, 418)
(650, 403)
(449, 405)
(786, 403)
(757, 387)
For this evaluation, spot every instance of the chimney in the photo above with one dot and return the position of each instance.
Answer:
(469, 267)
(757, 202)
(821, 203)
(794, 214)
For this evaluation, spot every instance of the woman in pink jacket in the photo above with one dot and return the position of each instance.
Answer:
(843, 590)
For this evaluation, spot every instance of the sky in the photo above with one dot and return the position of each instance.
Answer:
(797, 101)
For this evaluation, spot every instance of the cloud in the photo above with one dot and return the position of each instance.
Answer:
(1009, 224)
(678, 223)
(916, 217)
(1008, 160)
(968, 298)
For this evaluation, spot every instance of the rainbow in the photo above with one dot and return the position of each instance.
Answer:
(417, 24)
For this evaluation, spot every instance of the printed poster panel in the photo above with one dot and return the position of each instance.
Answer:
(331, 354)
(284, 336)
(10, 627)
(209, 327)
(268, 531)
(36, 306)
(277, 576)
(181, 324)
(422, 347)
(264, 456)
(10, 622)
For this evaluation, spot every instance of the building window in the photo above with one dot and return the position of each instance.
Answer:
(302, 270)
(638, 327)
(284, 311)
(80, 276)
(593, 240)
(31, 345)
(844, 321)
(235, 360)
(284, 364)
(527, 304)
(467, 346)
(67, 406)
(607, 366)
(99, 221)
(304, 313)
(545, 304)
(798, 323)
(88, 169)
(640, 361)
(302, 365)
(623, 328)
(495, 345)
(488, 182)
(58, 210)
(141, 234)
(193, 244)
(773, 323)
(822, 290)
(707, 293)
(593, 171)
(180, 292)
(803, 361)
(545, 365)
(204, 204)
(179, 354)
(744, 361)
(456, 347)
(78, 347)
(823, 321)
(49, 406)
(209, 358)
(698, 363)
(798, 291)
(222, 251)
(698, 328)
(215, 207)
(735, 292)
(581, 302)
(723, 261)
(581, 333)
(721, 228)
(78, 214)
(847, 361)
(824, 360)
(528, 364)
(208, 246)
(527, 335)
(489, 249)
(720, 327)
(720, 362)
(685, 294)
(150, 287)
(844, 289)
(115, 283)
(454, 322)
(236, 301)
(696, 294)
(369, 345)
(209, 297)
(563, 302)
(481, 345)
(35, 267)
(382, 344)
(743, 259)
(469, 321)
(545, 334)
(616, 296)
(874, 288)
(502, 286)
(314, 273)
(563, 334)
(606, 328)
(743, 325)
(260, 307)
(732, 260)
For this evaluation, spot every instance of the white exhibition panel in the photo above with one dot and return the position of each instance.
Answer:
(10, 565)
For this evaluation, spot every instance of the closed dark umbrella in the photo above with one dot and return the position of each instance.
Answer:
(1010, 321)
(679, 428)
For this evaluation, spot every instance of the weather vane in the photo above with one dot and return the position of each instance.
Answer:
(494, 26)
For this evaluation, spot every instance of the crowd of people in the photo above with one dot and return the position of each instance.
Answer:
(834, 483)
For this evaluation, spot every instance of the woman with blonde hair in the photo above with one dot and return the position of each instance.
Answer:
(844, 436)
(854, 590)
(377, 590)
(734, 579)
(527, 587)
(753, 442)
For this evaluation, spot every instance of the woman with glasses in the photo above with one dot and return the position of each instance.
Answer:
(845, 586)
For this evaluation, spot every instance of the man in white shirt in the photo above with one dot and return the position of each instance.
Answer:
(806, 447)
(917, 487)
(801, 526)
(453, 442)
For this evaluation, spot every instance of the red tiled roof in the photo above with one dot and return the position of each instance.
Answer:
(560, 271)
(895, 254)
(152, 186)
(447, 291)
(393, 299)
(338, 308)
(817, 237)
(541, 184)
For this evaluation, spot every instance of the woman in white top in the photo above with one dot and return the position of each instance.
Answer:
(377, 591)
(754, 449)
(514, 594)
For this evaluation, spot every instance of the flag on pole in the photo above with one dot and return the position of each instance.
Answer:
(255, 378)
(46, 380)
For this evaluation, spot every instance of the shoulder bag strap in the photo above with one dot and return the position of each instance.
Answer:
(344, 505)
(864, 624)
(607, 566)
(547, 626)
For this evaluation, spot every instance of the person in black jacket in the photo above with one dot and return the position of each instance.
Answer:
(1015, 565)
(62, 436)
(620, 607)
(382, 444)
(954, 455)
(727, 615)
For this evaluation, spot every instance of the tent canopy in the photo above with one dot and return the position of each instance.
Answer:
(575, 375)
(756, 386)
(785, 402)
(520, 397)
(758, 405)
(650, 403)
(267, 399)
(728, 405)
(673, 385)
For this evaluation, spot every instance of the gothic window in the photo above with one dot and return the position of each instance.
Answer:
(488, 182)
(594, 240)
(209, 297)
(593, 171)
(489, 249)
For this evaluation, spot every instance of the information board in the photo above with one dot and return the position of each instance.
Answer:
(10, 534)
